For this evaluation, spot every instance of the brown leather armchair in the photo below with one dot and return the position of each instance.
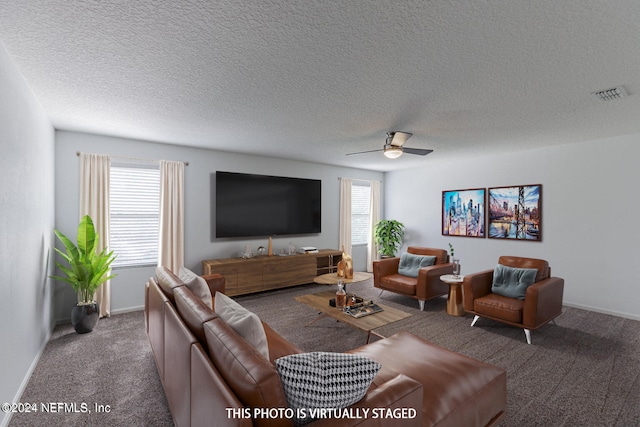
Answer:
(541, 304)
(424, 287)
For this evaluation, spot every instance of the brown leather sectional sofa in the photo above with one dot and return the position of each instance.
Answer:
(213, 377)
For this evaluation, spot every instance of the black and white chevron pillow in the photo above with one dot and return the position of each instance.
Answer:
(325, 380)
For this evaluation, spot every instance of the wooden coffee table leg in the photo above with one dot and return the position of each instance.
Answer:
(320, 317)
(373, 333)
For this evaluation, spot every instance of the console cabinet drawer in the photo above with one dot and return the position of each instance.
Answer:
(250, 279)
(288, 271)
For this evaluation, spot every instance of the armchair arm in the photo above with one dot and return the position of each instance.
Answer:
(475, 286)
(384, 267)
(399, 392)
(542, 302)
(429, 279)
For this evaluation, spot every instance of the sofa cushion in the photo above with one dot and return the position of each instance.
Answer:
(512, 282)
(325, 380)
(458, 390)
(193, 312)
(410, 264)
(167, 281)
(252, 378)
(197, 285)
(400, 284)
(243, 321)
(278, 345)
(500, 307)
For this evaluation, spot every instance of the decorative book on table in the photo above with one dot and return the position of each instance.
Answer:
(363, 309)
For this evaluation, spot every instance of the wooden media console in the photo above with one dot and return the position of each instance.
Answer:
(262, 273)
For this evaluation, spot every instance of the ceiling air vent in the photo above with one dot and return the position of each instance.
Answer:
(610, 94)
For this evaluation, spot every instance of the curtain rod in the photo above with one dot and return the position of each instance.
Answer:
(133, 158)
(356, 179)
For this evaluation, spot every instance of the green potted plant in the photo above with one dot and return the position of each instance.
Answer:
(86, 271)
(388, 235)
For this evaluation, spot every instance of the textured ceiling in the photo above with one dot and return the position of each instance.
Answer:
(315, 80)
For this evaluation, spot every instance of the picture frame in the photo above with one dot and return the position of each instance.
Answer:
(515, 213)
(464, 212)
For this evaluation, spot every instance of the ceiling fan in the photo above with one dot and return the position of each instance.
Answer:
(394, 146)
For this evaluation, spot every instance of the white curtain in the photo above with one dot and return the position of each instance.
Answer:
(372, 248)
(94, 201)
(345, 215)
(171, 247)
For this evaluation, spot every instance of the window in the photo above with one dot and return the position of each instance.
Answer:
(135, 214)
(360, 214)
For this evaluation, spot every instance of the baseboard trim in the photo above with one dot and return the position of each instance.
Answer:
(602, 311)
(127, 310)
(27, 377)
(118, 311)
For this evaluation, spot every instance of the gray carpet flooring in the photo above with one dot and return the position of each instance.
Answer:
(111, 366)
(583, 371)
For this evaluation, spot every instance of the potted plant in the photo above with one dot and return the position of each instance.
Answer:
(388, 235)
(86, 271)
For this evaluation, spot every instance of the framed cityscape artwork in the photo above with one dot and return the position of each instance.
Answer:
(516, 212)
(463, 213)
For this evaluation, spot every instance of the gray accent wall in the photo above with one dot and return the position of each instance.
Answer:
(26, 231)
(127, 290)
(590, 205)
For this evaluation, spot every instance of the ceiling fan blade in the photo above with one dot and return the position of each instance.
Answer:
(398, 138)
(418, 151)
(363, 152)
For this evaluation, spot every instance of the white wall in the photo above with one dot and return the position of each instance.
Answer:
(127, 288)
(589, 199)
(590, 205)
(26, 224)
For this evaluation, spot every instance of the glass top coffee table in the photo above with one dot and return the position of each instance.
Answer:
(320, 302)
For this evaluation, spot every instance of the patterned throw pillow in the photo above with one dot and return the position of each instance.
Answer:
(325, 380)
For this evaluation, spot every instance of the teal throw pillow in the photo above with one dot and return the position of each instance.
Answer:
(410, 264)
(512, 282)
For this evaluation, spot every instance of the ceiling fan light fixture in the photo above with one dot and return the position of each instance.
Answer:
(394, 146)
(392, 152)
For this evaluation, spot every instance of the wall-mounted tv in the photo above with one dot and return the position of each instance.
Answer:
(250, 205)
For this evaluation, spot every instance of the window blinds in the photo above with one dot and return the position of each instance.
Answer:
(360, 196)
(135, 214)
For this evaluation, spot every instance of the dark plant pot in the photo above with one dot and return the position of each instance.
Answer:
(85, 317)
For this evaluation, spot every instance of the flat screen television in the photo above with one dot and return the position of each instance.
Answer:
(250, 205)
